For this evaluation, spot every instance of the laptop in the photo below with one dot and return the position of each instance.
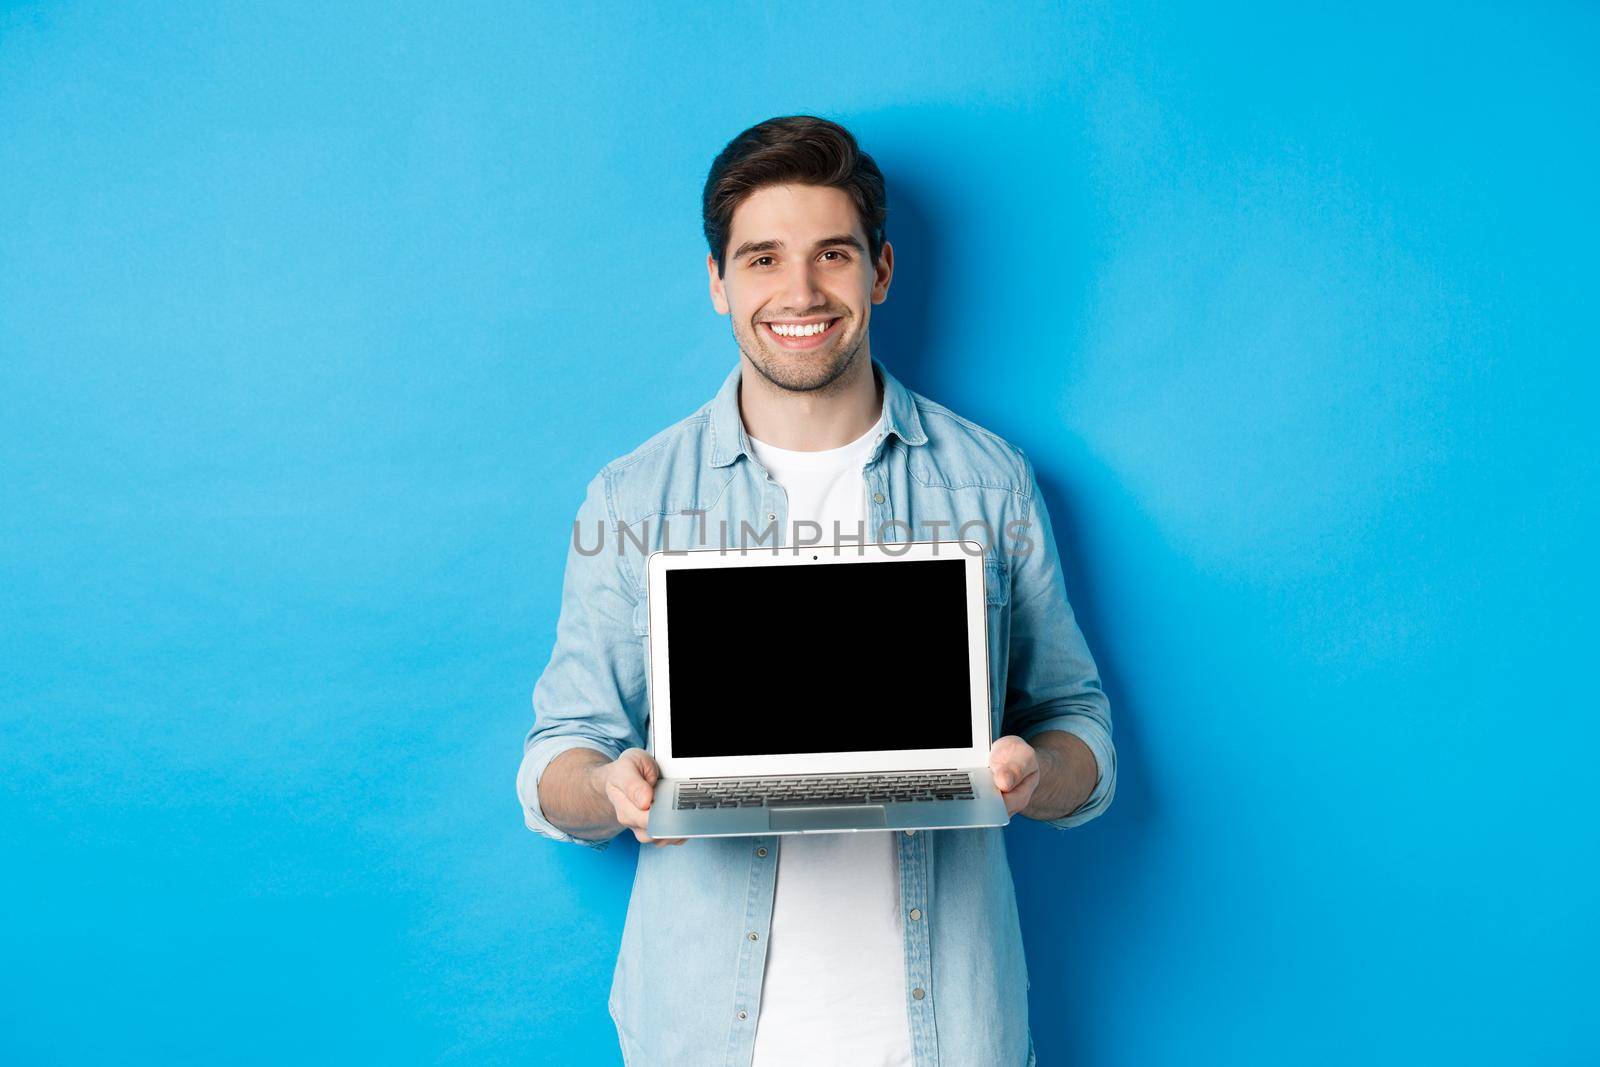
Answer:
(820, 689)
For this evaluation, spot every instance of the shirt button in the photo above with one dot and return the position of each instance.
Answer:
(761, 851)
(877, 498)
(916, 913)
(918, 993)
(772, 516)
(742, 1015)
(754, 936)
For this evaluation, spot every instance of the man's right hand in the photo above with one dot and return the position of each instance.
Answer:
(629, 782)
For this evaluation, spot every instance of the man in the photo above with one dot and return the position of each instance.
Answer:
(853, 948)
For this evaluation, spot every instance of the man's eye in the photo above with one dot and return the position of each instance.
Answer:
(758, 261)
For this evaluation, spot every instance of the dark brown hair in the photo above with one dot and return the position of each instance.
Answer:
(791, 149)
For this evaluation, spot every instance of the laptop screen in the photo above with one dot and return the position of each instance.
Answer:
(844, 657)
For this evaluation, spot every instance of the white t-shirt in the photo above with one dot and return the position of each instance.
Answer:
(834, 991)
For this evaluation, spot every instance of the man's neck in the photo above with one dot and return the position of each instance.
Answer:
(810, 421)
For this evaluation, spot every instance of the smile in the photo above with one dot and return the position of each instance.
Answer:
(801, 335)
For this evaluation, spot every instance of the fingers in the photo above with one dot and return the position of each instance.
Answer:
(631, 788)
(1008, 776)
(636, 772)
(632, 809)
(1012, 761)
(1011, 776)
(642, 764)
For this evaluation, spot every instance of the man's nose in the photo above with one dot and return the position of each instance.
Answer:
(800, 291)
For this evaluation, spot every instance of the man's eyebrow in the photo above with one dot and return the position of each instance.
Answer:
(752, 247)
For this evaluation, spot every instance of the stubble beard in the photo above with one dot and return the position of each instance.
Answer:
(801, 372)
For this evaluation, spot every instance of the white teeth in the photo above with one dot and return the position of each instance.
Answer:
(798, 331)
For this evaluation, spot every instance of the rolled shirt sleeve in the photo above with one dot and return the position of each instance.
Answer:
(1051, 681)
(593, 693)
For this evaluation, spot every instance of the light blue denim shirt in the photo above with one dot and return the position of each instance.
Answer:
(687, 984)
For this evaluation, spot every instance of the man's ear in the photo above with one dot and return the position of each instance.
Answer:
(719, 298)
(882, 272)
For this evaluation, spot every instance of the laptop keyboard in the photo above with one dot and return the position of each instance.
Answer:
(824, 789)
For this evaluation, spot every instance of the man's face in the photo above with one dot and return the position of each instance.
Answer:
(797, 260)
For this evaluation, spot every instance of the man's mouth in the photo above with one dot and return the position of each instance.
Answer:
(801, 333)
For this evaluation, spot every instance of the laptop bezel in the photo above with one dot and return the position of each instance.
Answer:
(661, 562)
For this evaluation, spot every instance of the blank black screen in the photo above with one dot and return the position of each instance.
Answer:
(825, 657)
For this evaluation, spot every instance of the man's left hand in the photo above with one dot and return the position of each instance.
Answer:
(1015, 765)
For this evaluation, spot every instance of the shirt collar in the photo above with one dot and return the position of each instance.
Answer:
(729, 441)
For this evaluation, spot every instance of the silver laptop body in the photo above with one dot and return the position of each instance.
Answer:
(820, 689)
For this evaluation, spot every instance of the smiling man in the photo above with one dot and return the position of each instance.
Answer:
(857, 948)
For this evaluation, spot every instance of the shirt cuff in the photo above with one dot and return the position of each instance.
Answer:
(1094, 735)
(534, 760)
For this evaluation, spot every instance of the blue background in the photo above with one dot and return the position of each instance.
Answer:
(314, 324)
